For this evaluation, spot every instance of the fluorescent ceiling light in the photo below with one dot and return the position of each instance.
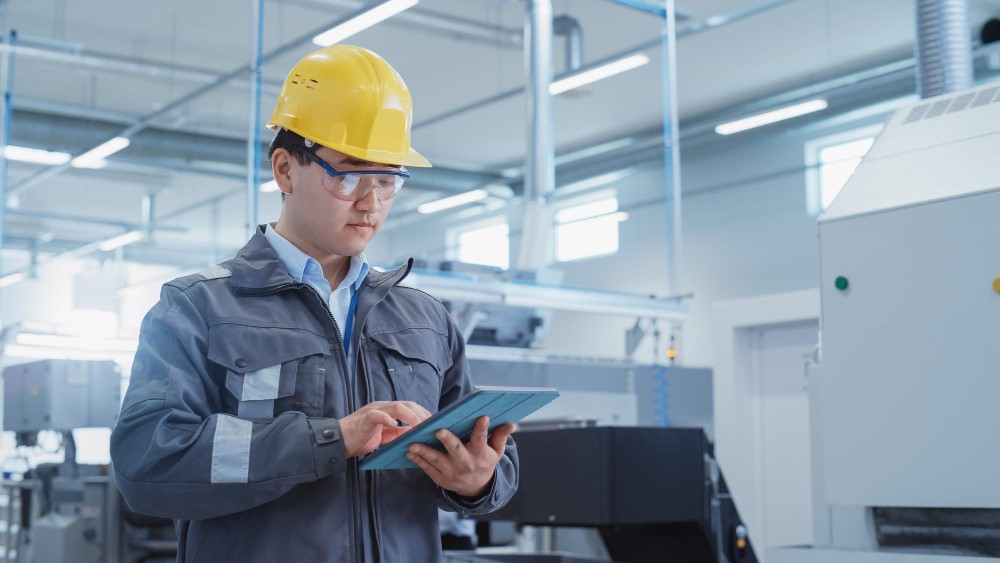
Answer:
(11, 279)
(601, 72)
(771, 117)
(377, 14)
(453, 201)
(37, 156)
(121, 240)
(268, 187)
(94, 158)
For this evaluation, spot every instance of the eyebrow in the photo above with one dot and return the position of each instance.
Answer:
(364, 163)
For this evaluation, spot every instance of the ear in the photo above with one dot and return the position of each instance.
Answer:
(281, 166)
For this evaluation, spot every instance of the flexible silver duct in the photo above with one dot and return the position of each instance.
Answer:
(943, 47)
(540, 178)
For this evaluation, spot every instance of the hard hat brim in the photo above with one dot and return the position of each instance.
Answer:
(416, 160)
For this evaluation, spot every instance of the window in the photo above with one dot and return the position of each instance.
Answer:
(831, 161)
(483, 244)
(588, 230)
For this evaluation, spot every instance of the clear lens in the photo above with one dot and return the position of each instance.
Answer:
(354, 187)
(348, 184)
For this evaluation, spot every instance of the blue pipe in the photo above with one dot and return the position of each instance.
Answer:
(253, 138)
(8, 115)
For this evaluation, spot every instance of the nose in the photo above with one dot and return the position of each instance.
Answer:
(370, 201)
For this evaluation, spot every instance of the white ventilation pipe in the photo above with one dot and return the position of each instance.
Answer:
(943, 47)
(540, 177)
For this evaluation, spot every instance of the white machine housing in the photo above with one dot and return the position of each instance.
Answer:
(911, 348)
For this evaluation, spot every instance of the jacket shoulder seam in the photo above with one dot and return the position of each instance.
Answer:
(422, 291)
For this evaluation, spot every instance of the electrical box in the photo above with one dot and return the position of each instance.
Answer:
(61, 395)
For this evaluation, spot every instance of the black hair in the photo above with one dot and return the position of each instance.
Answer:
(294, 144)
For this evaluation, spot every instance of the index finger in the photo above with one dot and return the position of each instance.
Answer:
(418, 408)
(402, 412)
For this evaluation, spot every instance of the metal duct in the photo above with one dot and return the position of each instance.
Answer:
(943, 47)
(568, 27)
(156, 147)
(540, 166)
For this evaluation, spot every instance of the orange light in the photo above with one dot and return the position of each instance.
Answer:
(671, 353)
(741, 543)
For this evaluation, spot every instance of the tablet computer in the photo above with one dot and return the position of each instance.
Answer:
(501, 404)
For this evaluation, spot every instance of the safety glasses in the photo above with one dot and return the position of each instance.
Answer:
(351, 185)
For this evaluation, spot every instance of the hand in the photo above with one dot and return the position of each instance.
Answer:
(375, 424)
(466, 470)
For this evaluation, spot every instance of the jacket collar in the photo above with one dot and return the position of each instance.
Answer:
(257, 266)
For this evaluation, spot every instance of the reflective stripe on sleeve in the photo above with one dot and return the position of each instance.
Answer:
(231, 450)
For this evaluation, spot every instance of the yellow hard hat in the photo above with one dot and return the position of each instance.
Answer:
(350, 100)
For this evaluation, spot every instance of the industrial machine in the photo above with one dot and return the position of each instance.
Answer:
(490, 324)
(623, 459)
(71, 512)
(655, 494)
(903, 402)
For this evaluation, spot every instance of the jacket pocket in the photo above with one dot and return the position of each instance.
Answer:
(407, 366)
(269, 370)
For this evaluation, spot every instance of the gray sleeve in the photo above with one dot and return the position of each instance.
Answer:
(176, 456)
(457, 384)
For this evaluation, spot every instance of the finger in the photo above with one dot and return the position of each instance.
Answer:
(419, 409)
(370, 406)
(377, 419)
(452, 444)
(433, 472)
(498, 441)
(478, 439)
(431, 455)
(390, 434)
(402, 412)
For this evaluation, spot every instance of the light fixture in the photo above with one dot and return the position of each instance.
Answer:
(599, 72)
(94, 158)
(268, 187)
(37, 156)
(453, 201)
(11, 279)
(120, 240)
(376, 14)
(770, 117)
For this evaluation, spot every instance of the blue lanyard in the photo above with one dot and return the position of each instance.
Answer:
(349, 325)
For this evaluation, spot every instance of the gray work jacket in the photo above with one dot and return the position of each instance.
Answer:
(229, 425)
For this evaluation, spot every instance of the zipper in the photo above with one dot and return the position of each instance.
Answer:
(353, 474)
(377, 548)
(372, 477)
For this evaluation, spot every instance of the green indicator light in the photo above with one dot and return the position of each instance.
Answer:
(841, 283)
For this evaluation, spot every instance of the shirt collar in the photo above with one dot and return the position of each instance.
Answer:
(296, 261)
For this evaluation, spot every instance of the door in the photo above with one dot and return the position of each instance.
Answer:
(779, 356)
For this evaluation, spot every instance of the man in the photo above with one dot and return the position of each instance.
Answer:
(259, 383)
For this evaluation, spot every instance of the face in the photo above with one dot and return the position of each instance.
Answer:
(331, 226)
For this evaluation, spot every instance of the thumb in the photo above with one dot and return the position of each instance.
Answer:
(498, 441)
